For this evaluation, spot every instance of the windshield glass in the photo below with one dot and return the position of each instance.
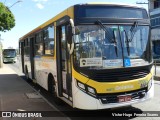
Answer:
(118, 47)
(9, 53)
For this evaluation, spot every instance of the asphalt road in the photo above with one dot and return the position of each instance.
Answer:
(152, 106)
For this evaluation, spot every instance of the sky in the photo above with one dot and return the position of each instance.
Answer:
(29, 14)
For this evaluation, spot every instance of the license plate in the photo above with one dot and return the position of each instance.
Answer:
(124, 98)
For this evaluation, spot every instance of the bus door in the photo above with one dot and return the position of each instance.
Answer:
(63, 63)
(32, 56)
(22, 55)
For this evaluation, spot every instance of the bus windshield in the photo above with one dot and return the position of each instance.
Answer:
(97, 49)
(9, 53)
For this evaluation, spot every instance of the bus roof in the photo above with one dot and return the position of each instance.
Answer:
(114, 4)
(110, 4)
(69, 11)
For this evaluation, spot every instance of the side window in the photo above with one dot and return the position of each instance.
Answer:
(39, 44)
(26, 47)
(26, 51)
(20, 46)
(39, 49)
(63, 43)
(49, 40)
(26, 42)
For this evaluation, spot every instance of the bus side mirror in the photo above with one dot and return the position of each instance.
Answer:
(69, 34)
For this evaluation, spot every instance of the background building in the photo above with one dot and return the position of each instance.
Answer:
(154, 10)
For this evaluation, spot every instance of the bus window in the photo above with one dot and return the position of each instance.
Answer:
(38, 49)
(49, 47)
(49, 40)
(26, 51)
(63, 47)
(38, 44)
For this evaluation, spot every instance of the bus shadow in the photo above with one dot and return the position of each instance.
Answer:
(8, 62)
(121, 113)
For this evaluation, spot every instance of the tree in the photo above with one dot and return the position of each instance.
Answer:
(7, 20)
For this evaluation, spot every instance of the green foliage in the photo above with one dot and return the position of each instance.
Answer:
(7, 20)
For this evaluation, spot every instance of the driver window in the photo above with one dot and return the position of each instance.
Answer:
(63, 48)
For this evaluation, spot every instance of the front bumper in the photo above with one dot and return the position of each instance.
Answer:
(9, 60)
(85, 101)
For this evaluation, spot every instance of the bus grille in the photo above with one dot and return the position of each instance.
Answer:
(113, 98)
(120, 76)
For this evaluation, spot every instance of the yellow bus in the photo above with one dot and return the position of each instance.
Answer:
(92, 56)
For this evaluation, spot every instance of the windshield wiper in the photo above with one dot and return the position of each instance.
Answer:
(127, 43)
(110, 37)
(133, 30)
(106, 29)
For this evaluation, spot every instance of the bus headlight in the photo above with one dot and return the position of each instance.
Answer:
(81, 85)
(91, 90)
(149, 84)
(87, 89)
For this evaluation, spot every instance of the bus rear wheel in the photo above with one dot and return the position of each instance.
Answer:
(26, 74)
(52, 85)
(52, 89)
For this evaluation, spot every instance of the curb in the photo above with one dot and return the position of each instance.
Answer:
(157, 78)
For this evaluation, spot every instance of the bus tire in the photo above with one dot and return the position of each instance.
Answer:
(52, 89)
(26, 74)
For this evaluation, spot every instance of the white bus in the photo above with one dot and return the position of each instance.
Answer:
(92, 56)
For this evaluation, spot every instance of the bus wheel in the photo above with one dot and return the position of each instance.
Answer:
(52, 85)
(52, 89)
(26, 73)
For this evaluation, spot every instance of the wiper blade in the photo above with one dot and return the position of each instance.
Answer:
(135, 24)
(133, 30)
(106, 29)
(127, 43)
(110, 37)
(115, 44)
